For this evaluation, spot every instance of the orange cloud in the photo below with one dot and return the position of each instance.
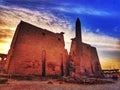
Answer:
(110, 63)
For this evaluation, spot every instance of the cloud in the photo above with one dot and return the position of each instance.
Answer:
(6, 33)
(83, 10)
(103, 42)
(1, 1)
(11, 16)
(116, 29)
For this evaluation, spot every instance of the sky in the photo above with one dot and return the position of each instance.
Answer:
(100, 23)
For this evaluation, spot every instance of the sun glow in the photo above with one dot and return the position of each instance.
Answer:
(4, 47)
(109, 63)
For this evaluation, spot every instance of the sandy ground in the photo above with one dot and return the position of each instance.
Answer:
(43, 85)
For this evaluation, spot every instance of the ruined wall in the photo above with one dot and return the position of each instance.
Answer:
(35, 51)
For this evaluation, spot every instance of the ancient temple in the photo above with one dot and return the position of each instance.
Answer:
(84, 56)
(36, 51)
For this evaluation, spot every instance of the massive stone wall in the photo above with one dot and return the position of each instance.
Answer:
(36, 51)
(84, 56)
(86, 61)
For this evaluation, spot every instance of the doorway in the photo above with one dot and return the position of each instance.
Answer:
(43, 62)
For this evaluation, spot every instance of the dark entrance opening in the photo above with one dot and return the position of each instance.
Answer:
(43, 63)
(62, 67)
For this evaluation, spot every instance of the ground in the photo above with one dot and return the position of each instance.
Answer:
(55, 85)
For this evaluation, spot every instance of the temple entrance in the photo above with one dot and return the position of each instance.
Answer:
(61, 66)
(43, 62)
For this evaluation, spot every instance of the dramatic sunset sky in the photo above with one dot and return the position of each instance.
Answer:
(100, 21)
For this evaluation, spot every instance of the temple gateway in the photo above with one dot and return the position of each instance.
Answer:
(37, 51)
